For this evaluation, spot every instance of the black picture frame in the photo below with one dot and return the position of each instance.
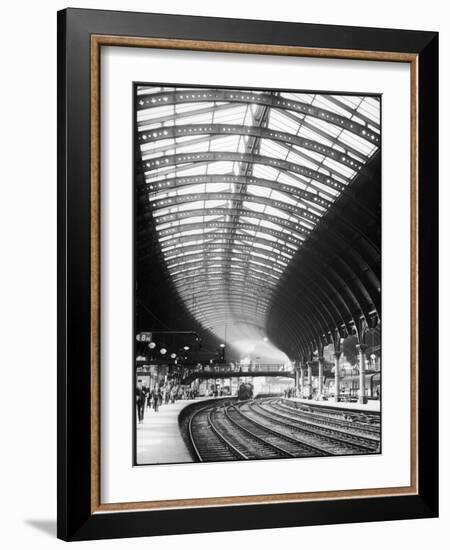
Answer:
(77, 517)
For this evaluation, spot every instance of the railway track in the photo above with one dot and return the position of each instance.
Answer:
(208, 443)
(339, 425)
(267, 428)
(367, 421)
(333, 439)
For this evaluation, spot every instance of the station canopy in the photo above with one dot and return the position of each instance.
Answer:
(236, 181)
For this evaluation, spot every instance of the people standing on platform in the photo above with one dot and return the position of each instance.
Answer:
(151, 398)
(160, 399)
(155, 400)
(140, 402)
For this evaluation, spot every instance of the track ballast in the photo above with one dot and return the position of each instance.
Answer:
(273, 428)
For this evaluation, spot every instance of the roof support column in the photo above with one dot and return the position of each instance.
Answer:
(297, 368)
(337, 389)
(302, 380)
(320, 384)
(362, 373)
(310, 388)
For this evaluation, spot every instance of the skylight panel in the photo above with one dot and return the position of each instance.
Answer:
(220, 167)
(265, 236)
(295, 157)
(255, 207)
(234, 115)
(249, 115)
(198, 118)
(323, 102)
(289, 179)
(345, 171)
(283, 197)
(275, 212)
(272, 149)
(265, 172)
(352, 101)
(371, 109)
(194, 146)
(227, 143)
(310, 156)
(271, 225)
(300, 97)
(327, 127)
(187, 107)
(308, 133)
(281, 122)
(357, 142)
(259, 191)
(155, 112)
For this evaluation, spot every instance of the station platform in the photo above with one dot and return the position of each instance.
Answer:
(158, 438)
(370, 406)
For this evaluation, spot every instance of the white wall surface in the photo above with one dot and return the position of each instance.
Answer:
(28, 272)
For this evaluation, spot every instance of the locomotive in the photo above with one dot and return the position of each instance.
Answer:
(245, 391)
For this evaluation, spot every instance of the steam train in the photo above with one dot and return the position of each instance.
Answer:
(245, 391)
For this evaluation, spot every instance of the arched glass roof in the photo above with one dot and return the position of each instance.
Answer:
(236, 180)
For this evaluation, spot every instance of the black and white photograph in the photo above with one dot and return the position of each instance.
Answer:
(257, 274)
(225, 258)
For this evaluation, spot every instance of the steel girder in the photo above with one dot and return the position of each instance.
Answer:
(295, 229)
(172, 184)
(229, 300)
(293, 210)
(243, 258)
(177, 131)
(183, 114)
(146, 101)
(321, 132)
(339, 295)
(203, 271)
(363, 253)
(298, 232)
(321, 197)
(252, 308)
(314, 202)
(220, 290)
(209, 251)
(215, 240)
(355, 267)
(352, 111)
(334, 234)
(199, 197)
(220, 156)
(320, 288)
(346, 226)
(209, 279)
(314, 295)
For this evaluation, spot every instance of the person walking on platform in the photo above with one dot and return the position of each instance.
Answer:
(140, 403)
(155, 401)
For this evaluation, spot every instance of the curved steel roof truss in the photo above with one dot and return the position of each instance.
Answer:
(234, 184)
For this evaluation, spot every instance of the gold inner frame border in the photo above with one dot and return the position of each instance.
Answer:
(97, 41)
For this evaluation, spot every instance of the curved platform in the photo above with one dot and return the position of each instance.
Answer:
(158, 438)
(370, 406)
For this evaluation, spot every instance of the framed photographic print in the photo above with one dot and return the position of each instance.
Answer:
(247, 274)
